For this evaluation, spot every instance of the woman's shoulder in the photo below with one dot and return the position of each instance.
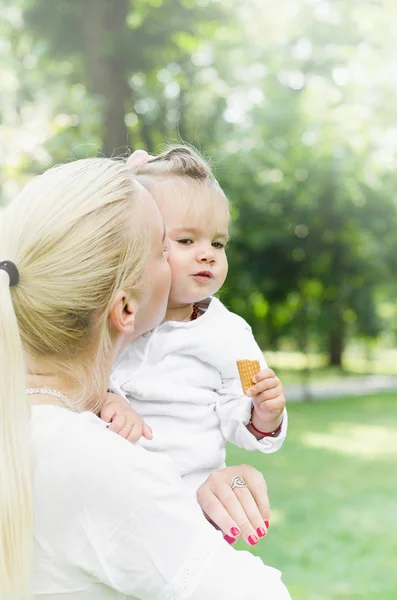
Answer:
(65, 431)
(77, 449)
(127, 521)
(108, 507)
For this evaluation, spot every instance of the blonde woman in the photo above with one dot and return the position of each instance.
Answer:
(82, 272)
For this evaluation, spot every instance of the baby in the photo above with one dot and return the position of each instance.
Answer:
(182, 377)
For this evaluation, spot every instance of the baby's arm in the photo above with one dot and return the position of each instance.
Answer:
(245, 418)
(123, 419)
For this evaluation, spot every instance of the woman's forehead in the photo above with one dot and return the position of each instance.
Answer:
(149, 210)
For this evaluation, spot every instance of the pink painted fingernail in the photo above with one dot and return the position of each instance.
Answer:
(253, 540)
(267, 524)
(229, 539)
(235, 531)
(261, 531)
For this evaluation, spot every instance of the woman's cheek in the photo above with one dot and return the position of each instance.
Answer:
(153, 311)
(166, 280)
(162, 285)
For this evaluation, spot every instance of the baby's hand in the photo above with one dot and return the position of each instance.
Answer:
(123, 419)
(268, 399)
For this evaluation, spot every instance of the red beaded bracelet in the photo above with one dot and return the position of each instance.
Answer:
(266, 433)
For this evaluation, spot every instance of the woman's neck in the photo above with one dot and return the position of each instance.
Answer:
(79, 390)
(44, 374)
(46, 379)
(49, 382)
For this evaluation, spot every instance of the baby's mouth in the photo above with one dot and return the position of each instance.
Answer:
(203, 275)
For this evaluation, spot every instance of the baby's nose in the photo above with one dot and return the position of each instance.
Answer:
(206, 253)
(207, 258)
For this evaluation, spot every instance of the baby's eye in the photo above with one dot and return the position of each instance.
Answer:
(218, 245)
(185, 241)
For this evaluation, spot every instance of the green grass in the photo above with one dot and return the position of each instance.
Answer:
(333, 491)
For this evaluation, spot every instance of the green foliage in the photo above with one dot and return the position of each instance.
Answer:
(295, 102)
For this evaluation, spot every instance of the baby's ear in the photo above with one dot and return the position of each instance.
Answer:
(137, 159)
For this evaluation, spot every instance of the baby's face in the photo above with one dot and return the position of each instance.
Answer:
(197, 235)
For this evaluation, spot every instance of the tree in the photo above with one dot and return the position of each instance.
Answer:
(115, 47)
(294, 101)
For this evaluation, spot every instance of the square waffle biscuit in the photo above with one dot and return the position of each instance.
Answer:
(247, 369)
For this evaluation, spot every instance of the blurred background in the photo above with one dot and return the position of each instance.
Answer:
(295, 103)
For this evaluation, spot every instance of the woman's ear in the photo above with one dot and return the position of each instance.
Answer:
(122, 313)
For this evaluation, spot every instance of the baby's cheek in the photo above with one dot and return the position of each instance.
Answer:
(177, 267)
(224, 271)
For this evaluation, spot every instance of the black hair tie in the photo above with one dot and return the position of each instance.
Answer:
(11, 269)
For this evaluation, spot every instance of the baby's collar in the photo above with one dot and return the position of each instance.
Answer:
(203, 304)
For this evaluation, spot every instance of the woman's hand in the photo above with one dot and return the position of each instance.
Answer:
(242, 511)
(123, 419)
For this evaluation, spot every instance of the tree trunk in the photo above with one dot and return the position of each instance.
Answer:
(335, 349)
(182, 125)
(336, 337)
(303, 345)
(115, 133)
(146, 135)
(103, 25)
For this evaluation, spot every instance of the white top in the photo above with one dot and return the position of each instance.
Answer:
(114, 521)
(182, 378)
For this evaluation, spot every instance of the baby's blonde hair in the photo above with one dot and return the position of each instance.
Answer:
(175, 174)
(178, 161)
(76, 236)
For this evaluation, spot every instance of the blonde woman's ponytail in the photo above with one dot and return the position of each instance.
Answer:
(15, 472)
